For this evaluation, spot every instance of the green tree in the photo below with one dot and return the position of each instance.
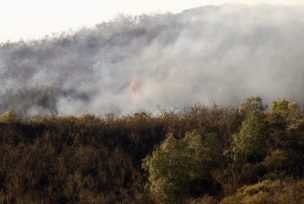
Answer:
(174, 165)
(251, 104)
(250, 143)
(288, 114)
(280, 107)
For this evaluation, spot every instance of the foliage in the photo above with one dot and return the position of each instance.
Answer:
(250, 143)
(8, 116)
(252, 104)
(204, 200)
(174, 166)
(280, 107)
(268, 191)
(89, 159)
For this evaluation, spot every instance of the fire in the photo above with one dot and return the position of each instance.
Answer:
(220, 89)
(133, 86)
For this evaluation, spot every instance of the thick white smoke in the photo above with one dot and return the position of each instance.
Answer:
(204, 55)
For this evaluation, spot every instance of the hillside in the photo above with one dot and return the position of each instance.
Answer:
(196, 155)
(155, 109)
(205, 55)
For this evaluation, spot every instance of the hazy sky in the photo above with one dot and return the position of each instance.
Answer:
(27, 19)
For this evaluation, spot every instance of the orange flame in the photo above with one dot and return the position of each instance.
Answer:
(220, 89)
(133, 86)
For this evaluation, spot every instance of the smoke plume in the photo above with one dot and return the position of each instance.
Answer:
(210, 54)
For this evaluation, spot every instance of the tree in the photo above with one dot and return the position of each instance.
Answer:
(251, 104)
(287, 114)
(280, 107)
(287, 132)
(250, 143)
(174, 165)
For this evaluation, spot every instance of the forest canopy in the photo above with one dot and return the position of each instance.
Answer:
(248, 154)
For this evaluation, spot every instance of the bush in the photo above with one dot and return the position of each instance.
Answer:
(7, 117)
(279, 192)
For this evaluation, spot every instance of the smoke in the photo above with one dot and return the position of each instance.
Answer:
(210, 54)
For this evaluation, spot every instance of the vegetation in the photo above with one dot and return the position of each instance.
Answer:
(197, 155)
(176, 166)
(249, 144)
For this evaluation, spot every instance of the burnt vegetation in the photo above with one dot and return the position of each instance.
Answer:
(247, 154)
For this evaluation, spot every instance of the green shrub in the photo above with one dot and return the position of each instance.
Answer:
(279, 192)
(8, 116)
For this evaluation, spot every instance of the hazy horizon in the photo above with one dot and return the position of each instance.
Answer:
(34, 19)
